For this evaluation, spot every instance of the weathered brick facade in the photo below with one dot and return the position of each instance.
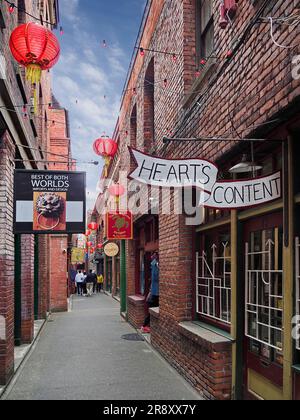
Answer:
(235, 95)
(7, 151)
(24, 138)
(27, 288)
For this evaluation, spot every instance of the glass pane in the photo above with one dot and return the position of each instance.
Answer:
(206, 13)
(208, 41)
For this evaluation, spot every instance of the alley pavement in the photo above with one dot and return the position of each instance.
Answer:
(81, 355)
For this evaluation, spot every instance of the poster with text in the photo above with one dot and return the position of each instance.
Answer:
(51, 202)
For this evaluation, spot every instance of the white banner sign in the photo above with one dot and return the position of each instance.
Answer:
(241, 194)
(203, 174)
(174, 173)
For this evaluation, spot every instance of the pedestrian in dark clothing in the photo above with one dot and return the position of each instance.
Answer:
(91, 281)
(153, 297)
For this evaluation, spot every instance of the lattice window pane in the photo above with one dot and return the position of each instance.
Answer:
(214, 283)
(264, 292)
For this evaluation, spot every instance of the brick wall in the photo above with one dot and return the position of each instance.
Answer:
(44, 270)
(136, 311)
(58, 273)
(7, 259)
(27, 288)
(205, 365)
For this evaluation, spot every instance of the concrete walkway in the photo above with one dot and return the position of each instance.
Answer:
(81, 356)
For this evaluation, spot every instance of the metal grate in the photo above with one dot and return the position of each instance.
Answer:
(264, 292)
(132, 337)
(214, 284)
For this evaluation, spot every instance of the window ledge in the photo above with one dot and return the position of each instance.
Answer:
(200, 82)
(154, 312)
(204, 336)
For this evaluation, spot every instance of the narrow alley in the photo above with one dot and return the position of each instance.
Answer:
(81, 355)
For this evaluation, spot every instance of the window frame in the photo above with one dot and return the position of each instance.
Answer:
(215, 235)
(202, 32)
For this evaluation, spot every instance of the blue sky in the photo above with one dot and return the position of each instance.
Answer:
(88, 80)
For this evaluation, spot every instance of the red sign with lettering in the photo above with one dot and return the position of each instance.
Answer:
(119, 226)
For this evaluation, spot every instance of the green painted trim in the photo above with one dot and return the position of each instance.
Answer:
(214, 329)
(240, 316)
(18, 291)
(36, 277)
(123, 280)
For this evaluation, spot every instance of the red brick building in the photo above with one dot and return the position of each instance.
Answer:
(25, 144)
(228, 287)
(60, 245)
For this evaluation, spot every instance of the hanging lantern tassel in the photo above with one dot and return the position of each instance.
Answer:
(107, 162)
(34, 75)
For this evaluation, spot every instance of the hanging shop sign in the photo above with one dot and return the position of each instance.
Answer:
(111, 250)
(119, 226)
(174, 173)
(245, 193)
(49, 202)
(78, 256)
(203, 175)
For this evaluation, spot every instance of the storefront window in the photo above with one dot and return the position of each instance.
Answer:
(118, 276)
(109, 275)
(213, 272)
(264, 294)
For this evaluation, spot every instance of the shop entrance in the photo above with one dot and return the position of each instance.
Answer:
(263, 342)
(144, 272)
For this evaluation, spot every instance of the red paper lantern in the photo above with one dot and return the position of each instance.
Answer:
(36, 48)
(93, 226)
(107, 148)
(89, 244)
(99, 246)
(116, 190)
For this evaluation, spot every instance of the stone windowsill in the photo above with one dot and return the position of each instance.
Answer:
(136, 300)
(204, 337)
(296, 368)
(154, 312)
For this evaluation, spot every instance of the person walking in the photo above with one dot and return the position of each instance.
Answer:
(91, 280)
(100, 281)
(79, 279)
(153, 296)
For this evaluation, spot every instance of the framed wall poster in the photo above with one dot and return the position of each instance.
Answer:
(49, 202)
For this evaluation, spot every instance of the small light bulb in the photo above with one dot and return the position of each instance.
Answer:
(142, 52)
(11, 8)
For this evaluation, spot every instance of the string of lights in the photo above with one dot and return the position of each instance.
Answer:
(70, 160)
(26, 116)
(201, 100)
(12, 7)
(142, 51)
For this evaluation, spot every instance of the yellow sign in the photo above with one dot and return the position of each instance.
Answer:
(111, 249)
(78, 256)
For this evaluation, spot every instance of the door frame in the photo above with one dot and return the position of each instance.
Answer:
(273, 373)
